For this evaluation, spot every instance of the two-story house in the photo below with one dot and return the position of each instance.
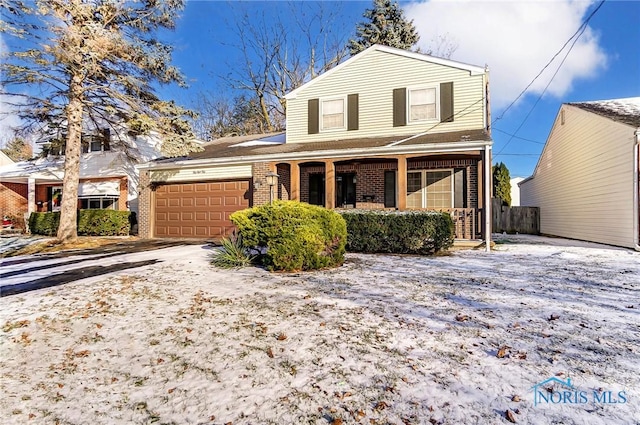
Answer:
(108, 177)
(386, 129)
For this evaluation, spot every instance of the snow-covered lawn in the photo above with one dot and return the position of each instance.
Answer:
(458, 339)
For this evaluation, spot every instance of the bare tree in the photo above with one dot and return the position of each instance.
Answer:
(280, 55)
(221, 117)
(90, 63)
(443, 46)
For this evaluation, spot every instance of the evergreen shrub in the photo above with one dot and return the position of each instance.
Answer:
(410, 232)
(291, 235)
(90, 222)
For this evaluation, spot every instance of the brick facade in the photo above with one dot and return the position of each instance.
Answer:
(261, 190)
(370, 177)
(13, 199)
(284, 181)
(144, 205)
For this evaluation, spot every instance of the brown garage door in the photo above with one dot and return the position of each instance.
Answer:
(198, 210)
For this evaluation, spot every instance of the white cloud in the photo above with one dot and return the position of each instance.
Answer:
(515, 39)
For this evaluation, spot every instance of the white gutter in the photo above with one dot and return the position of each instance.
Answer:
(311, 155)
(636, 155)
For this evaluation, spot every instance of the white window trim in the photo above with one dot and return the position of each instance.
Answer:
(423, 178)
(436, 87)
(344, 113)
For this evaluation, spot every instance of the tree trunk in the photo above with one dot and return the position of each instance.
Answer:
(265, 113)
(68, 230)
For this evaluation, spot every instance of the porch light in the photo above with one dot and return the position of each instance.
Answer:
(272, 180)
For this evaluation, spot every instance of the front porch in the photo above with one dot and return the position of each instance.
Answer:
(453, 183)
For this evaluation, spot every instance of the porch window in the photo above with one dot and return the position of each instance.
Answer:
(422, 104)
(430, 189)
(99, 203)
(333, 114)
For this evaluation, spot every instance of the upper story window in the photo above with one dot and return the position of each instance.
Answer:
(96, 142)
(422, 104)
(333, 114)
(340, 113)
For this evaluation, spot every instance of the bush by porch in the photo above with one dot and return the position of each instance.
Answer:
(408, 232)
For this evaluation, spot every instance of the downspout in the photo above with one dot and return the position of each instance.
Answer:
(636, 156)
(487, 198)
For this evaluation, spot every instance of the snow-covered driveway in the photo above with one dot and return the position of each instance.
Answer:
(458, 339)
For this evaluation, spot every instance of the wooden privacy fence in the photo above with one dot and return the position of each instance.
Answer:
(524, 220)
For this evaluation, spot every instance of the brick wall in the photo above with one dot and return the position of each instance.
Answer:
(284, 182)
(305, 171)
(472, 185)
(370, 177)
(13, 199)
(144, 205)
(261, 190)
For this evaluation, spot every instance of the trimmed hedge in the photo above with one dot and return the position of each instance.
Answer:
(292, 235)
(411, 232)
(90, 222)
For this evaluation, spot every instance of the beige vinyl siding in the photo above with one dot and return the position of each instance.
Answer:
(201, 174)
(583, 183)
(373, 78)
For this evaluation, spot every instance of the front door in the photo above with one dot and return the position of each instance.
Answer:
(346, 190)
(316, 189)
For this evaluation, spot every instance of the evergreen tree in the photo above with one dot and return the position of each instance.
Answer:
(502, 183)
(77, 62)
(386, 25)
(18, 149)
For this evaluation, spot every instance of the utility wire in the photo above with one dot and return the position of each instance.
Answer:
(575, 37)
(579, 30)
(517, 137)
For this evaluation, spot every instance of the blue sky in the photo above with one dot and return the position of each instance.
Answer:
(515, 39)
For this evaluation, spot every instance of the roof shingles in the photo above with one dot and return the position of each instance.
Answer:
(626, 111)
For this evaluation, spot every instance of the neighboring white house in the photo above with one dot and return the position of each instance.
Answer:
(515, 191)
(108, 177)
(4, 159)
(586, 180)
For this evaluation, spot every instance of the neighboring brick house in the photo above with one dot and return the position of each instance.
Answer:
(386, 129)
(108, 177)
(586, 180)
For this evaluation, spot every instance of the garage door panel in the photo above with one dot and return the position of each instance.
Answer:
(199, 210)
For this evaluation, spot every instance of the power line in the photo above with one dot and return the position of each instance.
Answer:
(576, 36)
(579, 30)
(517, 137)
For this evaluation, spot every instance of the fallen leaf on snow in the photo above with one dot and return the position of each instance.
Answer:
(502, 352)
(510, 416)
(281, 337)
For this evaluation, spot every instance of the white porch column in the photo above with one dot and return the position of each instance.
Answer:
(31, 195)
(487, 197)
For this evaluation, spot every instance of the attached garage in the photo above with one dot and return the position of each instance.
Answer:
(199, 210)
